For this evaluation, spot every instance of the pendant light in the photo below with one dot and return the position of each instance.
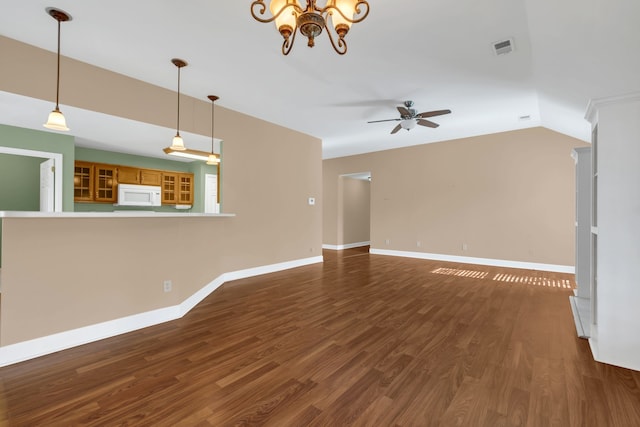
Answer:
(56, 120)
(212, 159)
(177, 143)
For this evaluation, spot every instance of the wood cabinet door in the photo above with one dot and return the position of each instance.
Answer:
(150, 177)
(128, 175)
(83, 182)
(105, 183)
(185, 190)
(169, 188)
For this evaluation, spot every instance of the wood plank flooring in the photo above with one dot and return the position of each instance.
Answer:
(362, 340)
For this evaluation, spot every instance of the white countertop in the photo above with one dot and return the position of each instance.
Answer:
(119, 214)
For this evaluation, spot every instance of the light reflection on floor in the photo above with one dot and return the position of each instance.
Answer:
(509, 278)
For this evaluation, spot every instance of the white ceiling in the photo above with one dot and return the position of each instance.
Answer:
(437, 53)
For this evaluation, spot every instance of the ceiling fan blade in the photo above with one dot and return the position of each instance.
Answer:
(404, 112)
(427, 123)
(433, 113)
(386, 120)
(396, 129)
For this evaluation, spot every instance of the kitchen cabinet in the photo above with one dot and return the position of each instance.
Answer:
(150, 177)
(177, 188)
(128, 175)
(83, 182)
(94, 182)
(98, 182)
(131, 175)
(105, 183)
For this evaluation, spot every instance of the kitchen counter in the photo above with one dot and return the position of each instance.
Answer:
(119, 214)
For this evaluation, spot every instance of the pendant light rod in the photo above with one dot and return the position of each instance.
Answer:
(59, 16)
(213, 159)
(178, 63)
(213, 100)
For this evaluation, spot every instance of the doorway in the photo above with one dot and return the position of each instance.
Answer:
(55, 184)
(354, 210)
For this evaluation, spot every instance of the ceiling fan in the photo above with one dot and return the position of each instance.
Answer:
(409, 118)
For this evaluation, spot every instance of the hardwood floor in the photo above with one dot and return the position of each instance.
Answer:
(363, 340)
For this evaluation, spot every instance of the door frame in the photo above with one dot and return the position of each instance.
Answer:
(57, 176)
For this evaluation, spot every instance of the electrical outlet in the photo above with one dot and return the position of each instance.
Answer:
(465, 247)
(418, 243)
(387, 241)
(168, 285)
(312, 201)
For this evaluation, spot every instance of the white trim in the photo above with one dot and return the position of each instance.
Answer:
(347, 246)
(577, 318)
(594, 104)
(26, 350)
(481, 261)
(250, 272)
(57, 164)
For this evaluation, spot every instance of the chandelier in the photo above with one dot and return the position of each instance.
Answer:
(290, 16)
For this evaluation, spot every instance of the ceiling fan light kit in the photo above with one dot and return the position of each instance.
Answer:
(290, 16)
(56, 120)
(409, 118)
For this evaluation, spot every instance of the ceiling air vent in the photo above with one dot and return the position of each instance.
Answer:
(503, 47)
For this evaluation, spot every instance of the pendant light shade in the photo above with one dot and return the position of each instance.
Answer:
(213, 160)
(178, 143)
(56, 120)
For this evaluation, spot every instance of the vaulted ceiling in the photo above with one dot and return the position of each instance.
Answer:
(437, 53)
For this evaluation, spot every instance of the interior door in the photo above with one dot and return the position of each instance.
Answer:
(47, 180)
(211, 193)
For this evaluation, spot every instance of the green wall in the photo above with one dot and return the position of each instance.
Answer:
(22, 191)
(28, 139)
(199, 169)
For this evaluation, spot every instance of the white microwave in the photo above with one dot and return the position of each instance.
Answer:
(138, 195)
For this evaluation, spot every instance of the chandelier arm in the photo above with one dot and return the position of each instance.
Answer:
(261, 8)
(287, 44)
(341, 46)
(359, 15)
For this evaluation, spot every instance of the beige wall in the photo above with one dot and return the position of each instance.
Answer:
(507, 196)
(354, 222)
(60, 274)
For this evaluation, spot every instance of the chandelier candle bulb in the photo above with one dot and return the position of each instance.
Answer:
(285, 20)
(346, 8)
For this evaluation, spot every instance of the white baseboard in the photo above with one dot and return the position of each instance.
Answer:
(26, 350)
(347, 246)
(480, 261)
